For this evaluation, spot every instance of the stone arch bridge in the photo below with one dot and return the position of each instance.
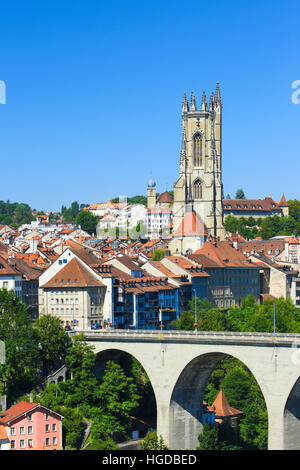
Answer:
(179, 365)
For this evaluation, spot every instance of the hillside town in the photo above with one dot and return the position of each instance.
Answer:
(156, 262)
(90, 282)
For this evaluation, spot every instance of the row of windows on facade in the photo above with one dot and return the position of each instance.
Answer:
(76, 311)
(30, 429)
(227, 291)
(30, 442)
(94, 300)
(18, 284)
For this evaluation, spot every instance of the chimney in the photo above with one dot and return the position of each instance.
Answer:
(3, 402)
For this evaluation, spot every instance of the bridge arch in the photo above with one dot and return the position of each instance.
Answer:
(185, 423)
(166, 359)
(121, 355)
(291, 419)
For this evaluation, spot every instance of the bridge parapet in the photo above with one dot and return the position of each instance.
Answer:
(283, 339)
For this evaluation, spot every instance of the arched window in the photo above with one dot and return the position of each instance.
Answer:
(197, 190)
(197, 150)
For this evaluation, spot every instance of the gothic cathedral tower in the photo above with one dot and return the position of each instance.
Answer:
(198, 193)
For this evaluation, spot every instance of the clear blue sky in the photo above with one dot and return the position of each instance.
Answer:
(94, 93)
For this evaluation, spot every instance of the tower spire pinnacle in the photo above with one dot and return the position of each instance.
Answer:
(193, 102)
(212, 102)
(204, 101)
(218, 95)
(185, 104)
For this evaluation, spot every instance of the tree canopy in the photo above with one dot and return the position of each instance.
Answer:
(15, 214)
(87, 221)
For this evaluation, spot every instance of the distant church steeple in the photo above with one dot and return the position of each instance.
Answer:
(151, 193)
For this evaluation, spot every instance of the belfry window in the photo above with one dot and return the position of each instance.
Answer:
(197, 190)
(197, 150)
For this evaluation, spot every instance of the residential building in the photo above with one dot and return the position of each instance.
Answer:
(255, 207)
(30, 426)
(141, 301)
(279, 279)
(10, 279)
(159, 218)
(75, 294)
(30, 283)
(232, 275)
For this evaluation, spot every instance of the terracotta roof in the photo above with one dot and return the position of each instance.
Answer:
(5, 268)
(16, 410)
(128, 262)
(264, 246)
(191, 268)
(73, 274)
(222, 407)
(32, 258)
(292, 240)
(28, 271)
(3, 434)
(224, 254)
(267, 296)
(190, 226)
(261, 205)
(204, 260)
(164, 198)
(283, 202)
(85, 254)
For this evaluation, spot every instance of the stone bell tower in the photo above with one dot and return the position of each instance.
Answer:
(199, 189)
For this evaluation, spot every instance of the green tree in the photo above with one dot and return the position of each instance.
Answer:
(153, 442)
(21, 370)
(87, 221)
(158, 254)
(84, 387)
(209, 438)
(236, 387)
(240, 194)
(99, 444)
(53, 340)
(117, 393)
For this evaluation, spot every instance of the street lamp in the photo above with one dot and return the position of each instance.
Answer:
(160, 318)
(195, 324)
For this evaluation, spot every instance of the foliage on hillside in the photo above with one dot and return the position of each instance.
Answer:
(69, 213)
(266, 227)
(15, 214)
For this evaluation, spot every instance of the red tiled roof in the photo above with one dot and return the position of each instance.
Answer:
(3, 433)
(16, 410)
(222, 407)
(183, 263)
(74, 274)
(164, 198)
(5, 268)
(190, 226)
(261, 205)
(224, 254)
(283, 202)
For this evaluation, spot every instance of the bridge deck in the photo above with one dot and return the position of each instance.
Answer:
(220, 337)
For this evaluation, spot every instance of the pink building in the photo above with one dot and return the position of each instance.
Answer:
(31, 426)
